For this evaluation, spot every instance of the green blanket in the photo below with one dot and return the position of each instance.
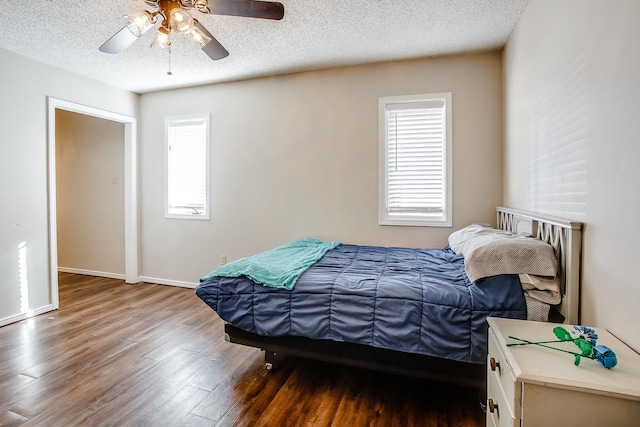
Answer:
(279, 267)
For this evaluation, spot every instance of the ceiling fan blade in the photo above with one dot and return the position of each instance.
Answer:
(248, 8)
(213, 49)
(119, 41)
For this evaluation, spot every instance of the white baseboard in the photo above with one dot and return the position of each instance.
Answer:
(91, 273)
(23, 316)
(157, 281)
(146, 279)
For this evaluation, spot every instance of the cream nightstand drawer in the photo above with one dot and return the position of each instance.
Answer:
(502, 406)
(498, 367)
(499, 408)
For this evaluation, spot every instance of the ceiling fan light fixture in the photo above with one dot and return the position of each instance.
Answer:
(140, 23)
(199, 37)
(162, 41)
(181, 21)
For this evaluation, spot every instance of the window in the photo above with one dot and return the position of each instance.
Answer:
(415, 160)
(187, 167)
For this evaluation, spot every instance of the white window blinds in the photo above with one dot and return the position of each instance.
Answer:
(187, 167)
(414, 144)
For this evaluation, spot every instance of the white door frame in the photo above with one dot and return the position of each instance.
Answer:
(130, 188)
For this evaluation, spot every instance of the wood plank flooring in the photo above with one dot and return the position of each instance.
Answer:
(151, 355)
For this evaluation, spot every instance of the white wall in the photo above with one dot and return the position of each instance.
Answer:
(297, 155)
(24, 233)
(90, 194)
(572, 91)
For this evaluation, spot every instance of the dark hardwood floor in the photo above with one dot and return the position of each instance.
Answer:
(151, 355)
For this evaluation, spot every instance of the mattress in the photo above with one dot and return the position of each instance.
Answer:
(410, 300)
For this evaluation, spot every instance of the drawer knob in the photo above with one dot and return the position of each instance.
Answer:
(492, 406)
(493, 364)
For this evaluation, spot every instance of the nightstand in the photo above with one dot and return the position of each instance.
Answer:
(534, 386)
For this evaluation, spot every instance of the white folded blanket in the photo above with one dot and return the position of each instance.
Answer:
(545, 289)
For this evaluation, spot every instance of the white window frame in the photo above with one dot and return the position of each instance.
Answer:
(195, 213)
(425, 218)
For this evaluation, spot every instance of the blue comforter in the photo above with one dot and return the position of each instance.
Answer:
(410, 300)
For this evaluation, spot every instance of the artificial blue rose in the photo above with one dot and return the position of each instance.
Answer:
(586, 342)
(586, 333)
(605, 356)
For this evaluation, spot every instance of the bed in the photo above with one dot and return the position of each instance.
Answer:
(410, 311)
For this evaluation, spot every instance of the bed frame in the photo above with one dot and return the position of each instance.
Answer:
(566, 238)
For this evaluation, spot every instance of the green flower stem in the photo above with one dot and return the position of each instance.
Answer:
(548, 346)
(537, 342)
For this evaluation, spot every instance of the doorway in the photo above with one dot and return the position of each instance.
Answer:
(130, 188)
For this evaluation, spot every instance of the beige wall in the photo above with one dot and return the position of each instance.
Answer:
(297, 155)
(24, 232)
(572, 91)
(90, 194)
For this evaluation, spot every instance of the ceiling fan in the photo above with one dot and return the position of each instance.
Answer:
(173, 16)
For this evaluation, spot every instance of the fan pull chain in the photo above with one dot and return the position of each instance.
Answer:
(169, 73)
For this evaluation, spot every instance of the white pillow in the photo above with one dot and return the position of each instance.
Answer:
(461, 241)
(542, 288)
(489, 252)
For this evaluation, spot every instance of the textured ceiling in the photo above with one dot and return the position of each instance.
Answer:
(313, 34)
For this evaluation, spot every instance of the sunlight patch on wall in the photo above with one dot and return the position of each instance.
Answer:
(559, 132)
(24, 281)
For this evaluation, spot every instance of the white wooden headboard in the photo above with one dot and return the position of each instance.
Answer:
(566, 238)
